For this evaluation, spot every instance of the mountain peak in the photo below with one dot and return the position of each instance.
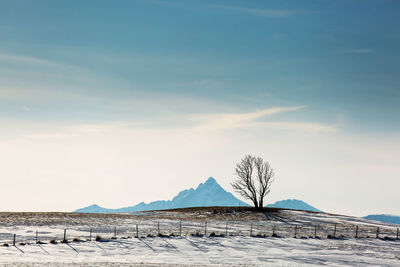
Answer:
(92, 209)
(293, 204)
(210, 185)
(210, 180)
(209, 193)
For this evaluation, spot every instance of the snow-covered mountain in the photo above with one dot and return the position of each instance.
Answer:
(384, 218)
(209, 193)
(293, 204)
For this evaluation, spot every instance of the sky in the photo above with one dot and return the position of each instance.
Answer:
(118, 102)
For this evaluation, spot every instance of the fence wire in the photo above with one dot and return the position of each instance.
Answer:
(170, 228)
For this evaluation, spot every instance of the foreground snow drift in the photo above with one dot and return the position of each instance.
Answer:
(206, 250)
(196, 237)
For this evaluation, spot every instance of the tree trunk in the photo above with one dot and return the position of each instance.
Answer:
(255, 204)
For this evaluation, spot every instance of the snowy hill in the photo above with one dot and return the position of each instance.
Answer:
(234, 237)
(209, 193)
(293, 204)
(384, 218)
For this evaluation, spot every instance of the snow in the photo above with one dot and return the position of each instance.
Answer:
(205, 250)
(237, 248)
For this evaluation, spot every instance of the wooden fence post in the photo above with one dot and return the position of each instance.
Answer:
(357, 231)
(273, 230)
(36, 237)
(65, 236)
(14, 240)
(137, 231)
(397, 237)
(226, 229)
(180, 228)
(334, 232)
(115, 232)
(295, 231)
(377, 232)
(205, 228)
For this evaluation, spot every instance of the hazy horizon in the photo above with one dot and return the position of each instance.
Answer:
(116, 103)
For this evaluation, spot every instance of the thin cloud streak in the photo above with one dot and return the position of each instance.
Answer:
(272, 13)
(36, 95)
(236, 120)
(10, 65)
(194, 124)
(357, 51)
(29, 60)
(298, 126)
(227, 121)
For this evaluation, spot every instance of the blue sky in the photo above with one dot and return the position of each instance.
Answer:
(324, 68)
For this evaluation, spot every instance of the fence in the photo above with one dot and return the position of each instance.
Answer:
(170, 228)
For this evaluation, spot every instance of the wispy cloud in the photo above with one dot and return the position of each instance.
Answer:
(38, 95)
(191, 125)
(28, 60)
(357, 51)
(298, 126)
(45, 73)
(273, 13)
(235, 120)
(225, 121)
(55, 69)
(200, 83)
(67, 131)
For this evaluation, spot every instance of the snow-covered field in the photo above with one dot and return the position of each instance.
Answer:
(196, 237)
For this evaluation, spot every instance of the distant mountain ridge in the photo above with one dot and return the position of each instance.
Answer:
(384, 218)
(293, 204)
(209, 193)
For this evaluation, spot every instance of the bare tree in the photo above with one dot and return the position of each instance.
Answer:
(253, 179)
